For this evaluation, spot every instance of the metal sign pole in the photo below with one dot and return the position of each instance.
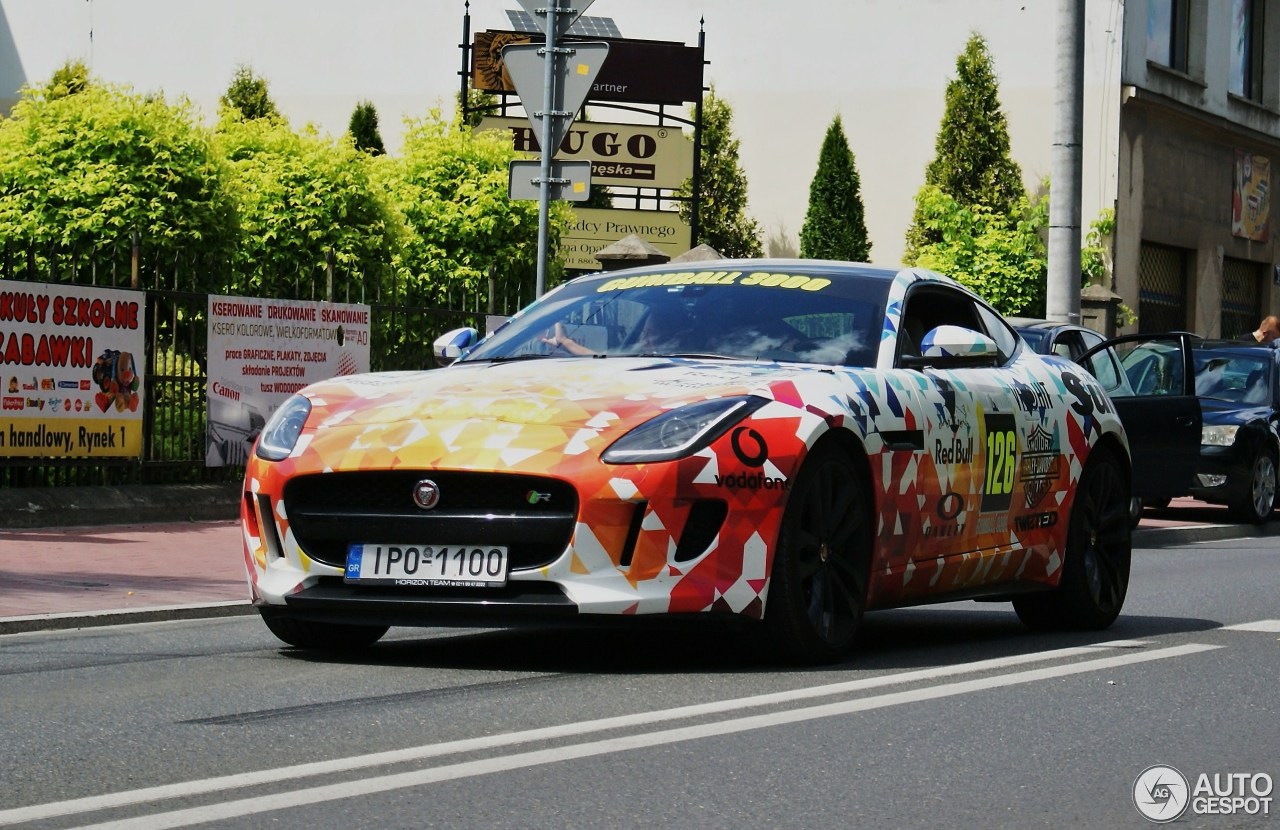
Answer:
(573, 178)
(544, 186)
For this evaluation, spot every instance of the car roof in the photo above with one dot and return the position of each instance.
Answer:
(1241, 346)
(808, 266)
(1037, 323)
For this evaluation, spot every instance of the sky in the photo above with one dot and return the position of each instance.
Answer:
(786, 70)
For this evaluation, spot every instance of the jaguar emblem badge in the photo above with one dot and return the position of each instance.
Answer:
(426, 494)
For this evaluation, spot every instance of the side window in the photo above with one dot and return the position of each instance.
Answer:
(930, 306)
(1091, 338)
(1105, 366)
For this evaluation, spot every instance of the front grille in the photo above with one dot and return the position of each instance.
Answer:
(532, 516)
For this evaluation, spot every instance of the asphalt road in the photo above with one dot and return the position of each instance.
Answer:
(949, 716)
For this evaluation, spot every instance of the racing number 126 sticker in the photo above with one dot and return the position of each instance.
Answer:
(1001, 444)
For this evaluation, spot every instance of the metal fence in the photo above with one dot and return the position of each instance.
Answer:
(1162, 288)
(174, 409)
(1242, 292)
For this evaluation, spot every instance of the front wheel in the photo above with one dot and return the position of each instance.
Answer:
(818, 586)
(1095, 570)
(323, 636)
(1257, 503)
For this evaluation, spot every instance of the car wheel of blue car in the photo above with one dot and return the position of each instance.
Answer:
(1095, 570)
(1256, 504)
(818, 589)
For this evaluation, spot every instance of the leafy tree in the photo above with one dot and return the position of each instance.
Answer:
(1000, 257)
(449, 188)
(68, 79)
(302, 197)
(479, 105)
(1095, 255)
(84, 170)
(363, 129)
(247, 99)
(834, 226)
(722, 219)
(972, 162)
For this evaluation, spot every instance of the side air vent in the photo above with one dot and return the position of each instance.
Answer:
(705, 520)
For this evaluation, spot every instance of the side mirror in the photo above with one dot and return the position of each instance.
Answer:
(449, 346)
(949, 347)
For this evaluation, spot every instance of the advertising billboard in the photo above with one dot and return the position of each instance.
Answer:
(262, 351)
(71, 371)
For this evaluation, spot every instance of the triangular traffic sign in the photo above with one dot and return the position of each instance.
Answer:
(573, 75)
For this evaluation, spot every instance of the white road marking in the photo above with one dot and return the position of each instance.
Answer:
(1267, 626)
(327, 792)
(228, 782)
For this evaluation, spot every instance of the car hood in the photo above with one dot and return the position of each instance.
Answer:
(1214, 411)
(564, 393)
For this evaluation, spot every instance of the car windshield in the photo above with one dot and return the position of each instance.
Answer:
(812, 317)
(1235, 378)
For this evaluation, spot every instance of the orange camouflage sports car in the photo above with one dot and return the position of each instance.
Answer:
(784, 443)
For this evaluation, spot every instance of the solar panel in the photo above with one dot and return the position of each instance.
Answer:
(584, 26)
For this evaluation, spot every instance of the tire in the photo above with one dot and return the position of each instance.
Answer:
(323, 636)
(818, 585)
(1095, 570)
(1135, 512)
(1257, 504)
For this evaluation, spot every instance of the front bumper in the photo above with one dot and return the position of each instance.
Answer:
(606, 551)
(1232, 465)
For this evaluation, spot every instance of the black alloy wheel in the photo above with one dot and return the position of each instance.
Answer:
(1099, 549)
(818, 589)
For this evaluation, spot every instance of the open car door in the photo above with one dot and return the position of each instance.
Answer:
(1151, 380)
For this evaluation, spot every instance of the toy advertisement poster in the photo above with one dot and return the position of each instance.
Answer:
(71, 371)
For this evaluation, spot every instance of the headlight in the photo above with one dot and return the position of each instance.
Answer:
(283, 428)
(1218, 436)
(681, 431)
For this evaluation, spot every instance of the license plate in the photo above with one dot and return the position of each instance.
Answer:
(448, 566)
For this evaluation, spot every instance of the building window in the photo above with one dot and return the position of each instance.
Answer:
(1162, 289)
(1242, 283)
(1246, 49)
(1167, 33)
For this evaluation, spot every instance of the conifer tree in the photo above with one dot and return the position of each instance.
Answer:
(834, 226)
(247, 99)
(722, 218)
(364, 129)
(971, 164)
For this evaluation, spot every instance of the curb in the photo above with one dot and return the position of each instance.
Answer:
(33, 507)
(1158, 537)
(95, 619)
